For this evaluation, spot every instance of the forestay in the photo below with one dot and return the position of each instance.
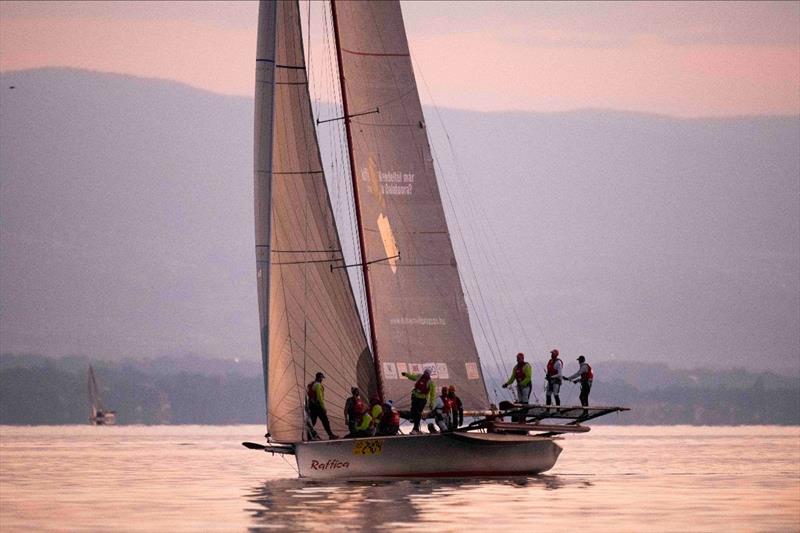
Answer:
(418, 308)
(309, 319)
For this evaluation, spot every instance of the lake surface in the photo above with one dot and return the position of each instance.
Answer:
(200, 478)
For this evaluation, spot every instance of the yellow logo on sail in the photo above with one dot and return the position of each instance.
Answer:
(389, 244)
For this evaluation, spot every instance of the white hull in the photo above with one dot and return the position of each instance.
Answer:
(107, 419)
(427, 455)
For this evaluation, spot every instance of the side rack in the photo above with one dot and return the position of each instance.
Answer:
(528, 418)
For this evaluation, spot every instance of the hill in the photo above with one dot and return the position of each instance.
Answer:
(127, 227)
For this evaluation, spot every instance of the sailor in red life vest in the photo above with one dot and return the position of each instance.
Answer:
(586, 376)
(316, 405)
(522, 375)
(365, 426)
(442, 411)
(423, 393)
(458, 407)
(553, 377)
(390, 421)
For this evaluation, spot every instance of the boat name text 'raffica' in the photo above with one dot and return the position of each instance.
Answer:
(331, 464)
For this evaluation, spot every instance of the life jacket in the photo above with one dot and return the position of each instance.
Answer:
(312, 394)
(421, 386)
(359, 408)
(447, 404)
(551, 366)
(360, 421)
(588, 375)
(376, 412)
(519, 371)
(393, 418)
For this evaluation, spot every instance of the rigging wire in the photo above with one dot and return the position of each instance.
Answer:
(477, 207)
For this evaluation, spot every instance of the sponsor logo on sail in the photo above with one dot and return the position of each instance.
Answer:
(387, 182)
(389, 244)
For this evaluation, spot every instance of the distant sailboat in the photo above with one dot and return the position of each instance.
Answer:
(417, 313)
(99, 416)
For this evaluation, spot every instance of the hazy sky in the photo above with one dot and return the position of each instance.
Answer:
(684, 59)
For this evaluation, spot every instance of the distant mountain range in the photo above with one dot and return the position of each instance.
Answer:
(191, 390)
(127, 227)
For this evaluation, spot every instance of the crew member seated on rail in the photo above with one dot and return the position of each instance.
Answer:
(364, 424)
(376, 410)
(390, 421)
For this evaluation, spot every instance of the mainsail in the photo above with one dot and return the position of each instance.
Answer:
(94, 394)
(309, 319)
(419, 315)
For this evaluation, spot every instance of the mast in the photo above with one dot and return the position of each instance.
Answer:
(362, 247)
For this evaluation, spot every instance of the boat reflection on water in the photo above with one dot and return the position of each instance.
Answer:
(299, 504)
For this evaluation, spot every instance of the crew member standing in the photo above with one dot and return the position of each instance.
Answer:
(522, 375)
(316, 405)
(458, 407)
(585, 375)
(422, 394)
(442, 411)
(553, 377)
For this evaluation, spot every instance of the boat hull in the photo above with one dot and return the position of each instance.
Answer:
(427, 455)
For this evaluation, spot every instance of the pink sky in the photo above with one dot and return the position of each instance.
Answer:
(683, 59)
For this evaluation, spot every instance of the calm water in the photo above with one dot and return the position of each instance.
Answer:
(200, 478)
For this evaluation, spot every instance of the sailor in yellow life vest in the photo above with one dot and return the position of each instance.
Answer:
(422, 394)
(316, 405)
(522, 375)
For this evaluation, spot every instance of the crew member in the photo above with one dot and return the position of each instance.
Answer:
(316, 405)
(553, 377)
(442, 411)
(585, 375)
(522, 374)
(390, 421)
(349, 409)
(376, 410)
(364, 424)
(423, 393)
(458, 407)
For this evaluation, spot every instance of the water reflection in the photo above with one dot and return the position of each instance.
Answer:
(297, 504)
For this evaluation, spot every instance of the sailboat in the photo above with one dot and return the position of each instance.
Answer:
(99, 415)
(416, 315)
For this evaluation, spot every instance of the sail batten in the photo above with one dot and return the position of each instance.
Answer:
(419, 315)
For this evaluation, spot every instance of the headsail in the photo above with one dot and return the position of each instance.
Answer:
(420, 316)
(309, 319)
